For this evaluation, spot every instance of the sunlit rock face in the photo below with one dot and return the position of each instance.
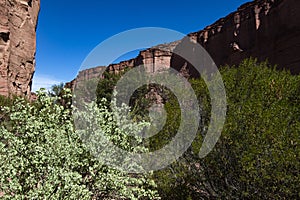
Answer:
(18, 21)
(154, 59)
(263, 29)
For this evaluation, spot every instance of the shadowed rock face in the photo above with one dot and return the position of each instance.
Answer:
(18, 21)
(263, 29)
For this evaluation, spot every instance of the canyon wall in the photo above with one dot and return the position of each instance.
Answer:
(18, 21)
(263, 29)
(154, 60)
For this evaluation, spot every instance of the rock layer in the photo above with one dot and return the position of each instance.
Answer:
(86, 74)
(154, 59)
(263, 29)
(18, 21)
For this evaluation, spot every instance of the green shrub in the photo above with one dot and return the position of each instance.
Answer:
(5, 101)
(258, 153)
(106, 86)
(56, 90)
(41, 157)
(257, 156)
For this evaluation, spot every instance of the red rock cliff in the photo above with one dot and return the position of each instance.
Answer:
(18, 21)
(264, 29)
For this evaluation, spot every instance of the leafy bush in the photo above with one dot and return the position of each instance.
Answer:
(5, 101)
(41, 157)
(106, 86)
(257, 155)
(56, 90)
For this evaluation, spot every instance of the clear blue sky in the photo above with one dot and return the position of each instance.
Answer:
(68, 30)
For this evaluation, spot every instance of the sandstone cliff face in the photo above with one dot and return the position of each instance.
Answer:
(18, 21)
(264, 29)
(84, 75)
(154, 59)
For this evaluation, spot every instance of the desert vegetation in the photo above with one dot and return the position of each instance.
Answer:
(257, 156)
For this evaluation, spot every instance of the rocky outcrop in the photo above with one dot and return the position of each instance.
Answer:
(18, 21)
(263, 29)
(86, 74)
(154, 59)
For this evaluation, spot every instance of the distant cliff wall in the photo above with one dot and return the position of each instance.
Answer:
(153, 58)
(264, 29)
(86, 74)
(18, 21)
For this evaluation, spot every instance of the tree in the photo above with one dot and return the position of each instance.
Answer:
(56, 90)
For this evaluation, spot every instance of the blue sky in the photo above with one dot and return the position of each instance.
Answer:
(69, 30)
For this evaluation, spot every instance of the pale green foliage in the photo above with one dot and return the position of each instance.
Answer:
(41, 157)
(102, 130)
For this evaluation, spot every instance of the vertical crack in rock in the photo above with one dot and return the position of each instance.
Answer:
(205, 36)
(257, 10)
(267, 8)
(237, 22)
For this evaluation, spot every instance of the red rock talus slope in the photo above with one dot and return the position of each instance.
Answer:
(18, 21)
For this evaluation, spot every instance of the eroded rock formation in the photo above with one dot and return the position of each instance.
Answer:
(264, 29)
(154, 59)
(18, 21)
(87, 74)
